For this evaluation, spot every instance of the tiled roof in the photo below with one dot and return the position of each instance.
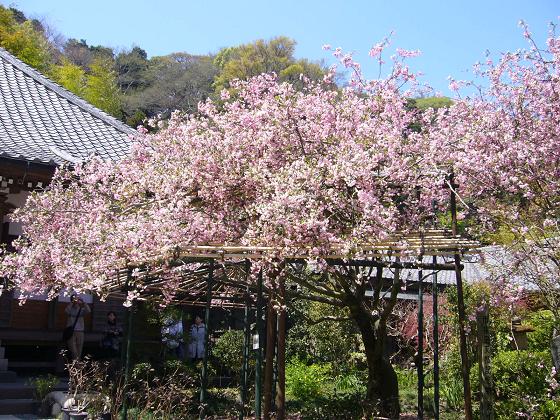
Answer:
(491, 261)
(42, 122)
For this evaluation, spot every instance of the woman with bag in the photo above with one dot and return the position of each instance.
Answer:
(74, 332)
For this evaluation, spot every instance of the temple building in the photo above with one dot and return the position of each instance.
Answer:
(43, 126)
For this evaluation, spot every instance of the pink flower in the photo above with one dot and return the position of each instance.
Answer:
(376, 50)
(454, 85)
(408, 53)
(347, 60)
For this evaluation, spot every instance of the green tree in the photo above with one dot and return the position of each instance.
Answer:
(69, 75)
(131, 68)
(24, 40)
(101, 88)
(83, 55)
(176, 81)
(431, 102)
(249, 60)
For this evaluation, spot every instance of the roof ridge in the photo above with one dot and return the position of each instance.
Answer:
(66, 94)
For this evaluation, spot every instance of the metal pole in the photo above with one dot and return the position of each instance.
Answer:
(460, 307)
(258, 364)
(436, 340)
(204, 382)
(130, 319)
(270, 347)
(281, 353)
(420, 359)
(245, 367)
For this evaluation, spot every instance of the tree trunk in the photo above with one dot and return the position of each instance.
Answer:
(383, 386)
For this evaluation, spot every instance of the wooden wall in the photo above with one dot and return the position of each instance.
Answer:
(43, 315)
(99, 318)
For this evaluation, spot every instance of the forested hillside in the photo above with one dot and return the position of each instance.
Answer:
(129, 85)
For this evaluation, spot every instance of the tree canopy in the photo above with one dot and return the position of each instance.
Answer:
(22, 38)
(273, 56)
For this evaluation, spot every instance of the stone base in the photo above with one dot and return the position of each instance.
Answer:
(57, 401)
(555, 348)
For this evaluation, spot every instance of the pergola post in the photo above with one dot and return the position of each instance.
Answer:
(246, 339)
(484, 374)
(420, 358)
(436, 339)
(281, 352)
(269, 363)
(204, 379)
(258, 364)
(460, 306)
(130, 323)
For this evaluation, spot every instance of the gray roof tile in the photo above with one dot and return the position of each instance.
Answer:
(37, 115)
(490, 261)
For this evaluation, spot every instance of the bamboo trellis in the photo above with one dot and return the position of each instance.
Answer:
(229, 287)
(217, 275)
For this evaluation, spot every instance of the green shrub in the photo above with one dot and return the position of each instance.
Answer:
(510, 409)
(529, 408)
(349, 384)
(43, 385)
(407, 378)
(408, 389)
(548, 410)
(328, 407)
(142, 371)
(451, 391)
(228, 351)
(517, 374)
(335, 342)
(306, 382)
(167, 392)
(543, 323)
(314, 393)
(520, 382)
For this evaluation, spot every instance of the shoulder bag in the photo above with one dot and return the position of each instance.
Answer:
(69, 331)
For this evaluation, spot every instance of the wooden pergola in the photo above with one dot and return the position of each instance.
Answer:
(406, 247)
(217, 275)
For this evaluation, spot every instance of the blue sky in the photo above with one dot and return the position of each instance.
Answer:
(452, 35)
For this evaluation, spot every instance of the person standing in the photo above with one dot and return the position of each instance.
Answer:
(172, 336)
(111, 342)
(197, 336)
(75, 311)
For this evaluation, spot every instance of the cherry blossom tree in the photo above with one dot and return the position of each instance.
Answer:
(305, 171)
(503, 142)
